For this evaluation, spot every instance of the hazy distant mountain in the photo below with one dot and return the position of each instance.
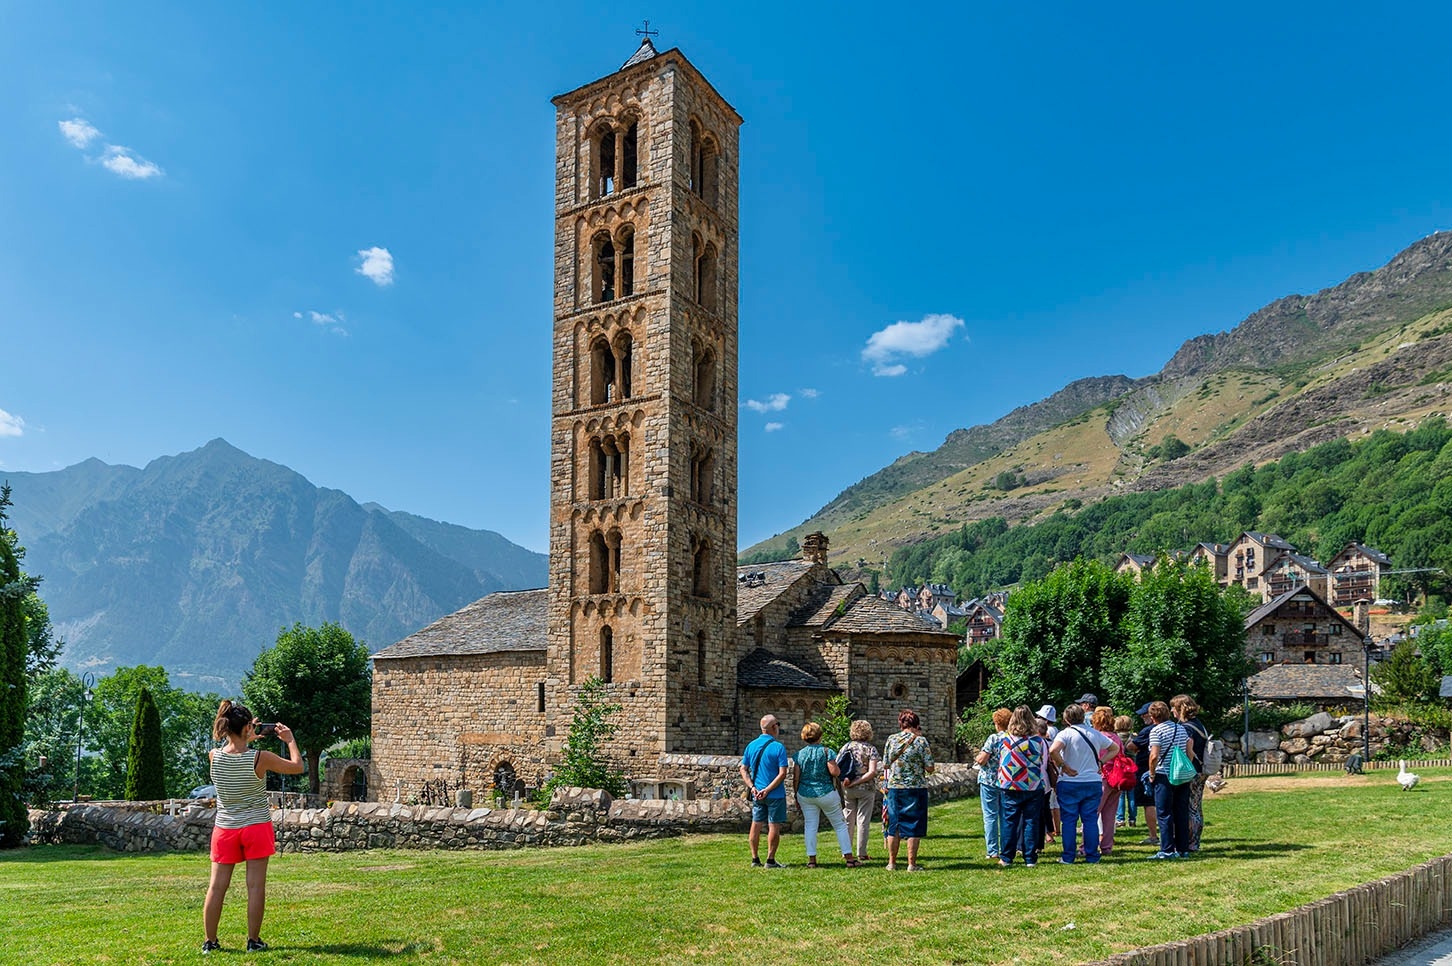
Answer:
(197, 560)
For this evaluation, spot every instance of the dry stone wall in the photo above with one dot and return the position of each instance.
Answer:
(576, 816)
(1324, 738)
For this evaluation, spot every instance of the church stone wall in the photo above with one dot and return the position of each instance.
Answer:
(889, 677)
(447, 722)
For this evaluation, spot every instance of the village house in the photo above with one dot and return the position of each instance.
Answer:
(1215, 556)
(644, 594)
(1299, 627)
(1248, 556)
(1134, 563)
(985, 618)
(1291, 570)
(1356, 574)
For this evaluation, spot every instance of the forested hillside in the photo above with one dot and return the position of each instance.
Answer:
(1391, 491)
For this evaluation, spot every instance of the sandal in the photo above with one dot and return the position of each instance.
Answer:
(811, 861)
(851, 862)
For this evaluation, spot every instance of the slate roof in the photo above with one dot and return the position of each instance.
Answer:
(762, 669)
(1269, 540)
(753, 595)
(1305, 562)
(1376, 556)
(496, 624)
(822, 606)
(873, 615)
(1269, 608)
(1284, 682)
(642, 54)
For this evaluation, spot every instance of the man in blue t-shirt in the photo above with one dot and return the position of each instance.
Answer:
(764, 769)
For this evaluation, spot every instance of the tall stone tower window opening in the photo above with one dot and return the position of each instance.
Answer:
(704, 163)
(703, 393)
(701, 658)
(624, 351)
(540, 697)
(610, 467)
(704, 260)
(614, 157)
(703, 474)
(700, 566)
(605, 562)
(610, 367)
(625, 261)
(607, 654)
(603, 274)
(604, 156)
(629, 156)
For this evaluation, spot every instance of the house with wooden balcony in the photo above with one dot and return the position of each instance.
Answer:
(1356, 574)
(1291, 570)
(1299, 627)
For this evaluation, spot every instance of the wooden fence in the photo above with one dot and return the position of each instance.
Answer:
(1231, 769)
(1350, 928)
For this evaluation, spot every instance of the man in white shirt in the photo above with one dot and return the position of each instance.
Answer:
(1080, 786)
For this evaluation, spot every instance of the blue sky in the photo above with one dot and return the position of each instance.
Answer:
(323, 231)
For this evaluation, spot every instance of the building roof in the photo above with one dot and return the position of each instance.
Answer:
(1268, 540)
(1140, 559)
(827, 602)
(496, 624)
(1301, 560)
(643, 53)
(1446, 690)
(1268, 609)
(1285, 682)
(1375, 556)
(1217, 549)
(759, 584)
(763, 669)
(873, 615)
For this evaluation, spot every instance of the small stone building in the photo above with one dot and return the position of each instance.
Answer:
(1299, 627)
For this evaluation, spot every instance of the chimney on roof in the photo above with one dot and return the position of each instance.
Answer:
(814, 547)
(1362, 616)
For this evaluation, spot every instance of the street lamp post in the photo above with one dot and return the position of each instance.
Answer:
(1366, 699)
(87, 681)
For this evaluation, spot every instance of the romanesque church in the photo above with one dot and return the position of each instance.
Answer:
(644, 592)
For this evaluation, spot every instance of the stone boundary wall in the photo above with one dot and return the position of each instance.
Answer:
(1324, 738)
(575, 817)
(1350, 928)
(1232, 770)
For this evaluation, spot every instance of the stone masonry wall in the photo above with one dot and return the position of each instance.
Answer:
(575, 817)
(448, 722)
(1324, 738)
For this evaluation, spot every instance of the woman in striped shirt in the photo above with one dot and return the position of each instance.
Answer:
(243, 831)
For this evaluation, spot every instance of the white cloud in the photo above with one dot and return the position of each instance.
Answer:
(377, 265)
(11, 425)
(128, 164)
(79, 132)
(333, 321)
(901, 432)
(773, 427)
(774, 403)
(914, 339)
(808, 393)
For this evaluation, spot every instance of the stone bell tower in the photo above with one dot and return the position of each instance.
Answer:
(642, 588)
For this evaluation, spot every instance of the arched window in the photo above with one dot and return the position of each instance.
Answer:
(629, 156)
(602, 257)
(703, 475)
(704, 389)
(355, 783)
(706, 278)
(599, 564)
(701, 658)
(624, 354)
(607, 654)
(625, 261)
(710, 161)
(701, 567)
(602, 160)
(505, 779)
(602, 373)
(609, 467)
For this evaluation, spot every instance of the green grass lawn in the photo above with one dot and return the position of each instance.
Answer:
(1267, 848)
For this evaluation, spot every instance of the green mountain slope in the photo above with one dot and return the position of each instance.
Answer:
(197, 560)
(1366, 354)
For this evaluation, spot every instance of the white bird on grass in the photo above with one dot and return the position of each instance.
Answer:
(1406, 779)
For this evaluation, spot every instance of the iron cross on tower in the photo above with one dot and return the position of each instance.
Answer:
(646, 32)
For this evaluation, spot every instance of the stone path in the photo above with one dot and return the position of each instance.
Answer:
(1434, 950)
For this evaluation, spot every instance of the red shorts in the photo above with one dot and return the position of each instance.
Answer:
(233, 845)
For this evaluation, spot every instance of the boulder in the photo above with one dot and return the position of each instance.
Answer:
(1263, 741)
(1295, 746)
(1273, 758)
(1306, 727)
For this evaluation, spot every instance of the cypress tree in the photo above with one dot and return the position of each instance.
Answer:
(14, 820)
(145, 761)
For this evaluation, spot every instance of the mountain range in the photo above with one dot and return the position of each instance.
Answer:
(196, 561)
(1372, 352)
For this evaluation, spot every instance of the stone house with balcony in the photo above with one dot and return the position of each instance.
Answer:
(1291, 570)
(1215, 557)
(1299, 627)
(1356, 574)
(985, 618)
(1248, 556)
(1134, 563)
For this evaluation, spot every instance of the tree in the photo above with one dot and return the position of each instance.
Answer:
(1054, 632)
(186, 727)
(1182, 633)
(1404, 676)
(15, 587)
(52, 706)
(836, 722)
(582, 765)
(145, 759)
(317, 681)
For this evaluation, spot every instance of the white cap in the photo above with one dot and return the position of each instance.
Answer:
(1048, 713)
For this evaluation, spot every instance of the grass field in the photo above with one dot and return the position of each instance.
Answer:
(1270, 844)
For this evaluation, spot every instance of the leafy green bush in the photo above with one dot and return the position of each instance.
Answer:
(582, 765)
(974, 726)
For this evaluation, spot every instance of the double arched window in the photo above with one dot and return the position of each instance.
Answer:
(610, 365)
(614, 157)
(612, 264)
(704, 272)
(610, 467)
(605, 562)
(705, 165)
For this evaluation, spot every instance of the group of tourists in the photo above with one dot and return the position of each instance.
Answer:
(1038, 783)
